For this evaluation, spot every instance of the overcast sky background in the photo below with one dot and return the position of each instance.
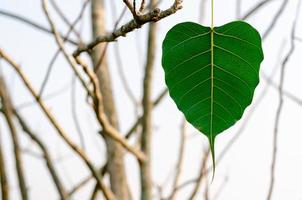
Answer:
(247, 163)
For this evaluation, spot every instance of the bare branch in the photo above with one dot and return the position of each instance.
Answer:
(220, 188)
(275, 19)
(3, 175)
(123, 77)
(102, 57)
(71, 28)
(74, 114)
(146, 136)
(286, 93)
(64, 18)
(114, 150)
(280, 105)
(130, 7)
(180, 160)
(82, 183)
(153, 16)
(51, 95)
(139, 120)
(33, 24)
(253, 10)
(46, 155)
(8, 114)
(202, 173)
(56, 125)
(142, 7)
(96, 95)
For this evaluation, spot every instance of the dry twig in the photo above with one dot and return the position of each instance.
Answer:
(280, 105)
(108, 194)
(8, 114)
(153, 16)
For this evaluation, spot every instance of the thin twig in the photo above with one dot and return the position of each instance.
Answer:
(74, 114)
(8, 114)
(33, 24)
(220, 188)
(180, 160)
(152, 16)
(56, 125)
(253, 10)
(71, 28)
(275, 19)
(82, 183)
(202, 174)
(46, 155)
(3, 174)
(139, 119)
(130, 7)
(102, 57)
(280, 105)
(95, 95)
(294, 98)
(206, 190)
(119, 61)
(142, 7)
(64, 18)
(123, 77)
(46, 97)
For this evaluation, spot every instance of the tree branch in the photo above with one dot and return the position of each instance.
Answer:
(202, 173)
(33, 24)
(46, 155)
(8, 114)
(146, 136)
(280, 105)
(180, 160)
(71, 28)
(108, 194)
(153, 16)
(3, 175)
(275, 19)
(253, 10)
(96, 95)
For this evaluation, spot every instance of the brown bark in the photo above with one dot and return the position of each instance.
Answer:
(8, 114)
(145, 167)
(3, 176)
(116, 168)
(46, 155)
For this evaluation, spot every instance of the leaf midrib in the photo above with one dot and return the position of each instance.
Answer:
(212, 85)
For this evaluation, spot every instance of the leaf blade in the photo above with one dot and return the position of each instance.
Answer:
(211, 74)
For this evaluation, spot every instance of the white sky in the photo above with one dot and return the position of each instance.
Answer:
(247, 163)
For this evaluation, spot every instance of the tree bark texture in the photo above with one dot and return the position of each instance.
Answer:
(115, 154)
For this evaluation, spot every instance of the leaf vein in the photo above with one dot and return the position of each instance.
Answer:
(184, 41)
(241, 109)
(179, 64)
(236, 55)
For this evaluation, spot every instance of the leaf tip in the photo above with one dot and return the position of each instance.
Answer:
(212, 149)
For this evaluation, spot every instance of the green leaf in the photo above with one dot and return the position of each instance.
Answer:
(211, 74)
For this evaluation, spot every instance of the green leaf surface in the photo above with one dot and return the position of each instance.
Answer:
(211, 74)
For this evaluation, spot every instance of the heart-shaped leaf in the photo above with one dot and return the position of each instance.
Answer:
(211, 74)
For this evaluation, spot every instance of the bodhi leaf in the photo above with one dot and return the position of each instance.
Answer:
(211, 74)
